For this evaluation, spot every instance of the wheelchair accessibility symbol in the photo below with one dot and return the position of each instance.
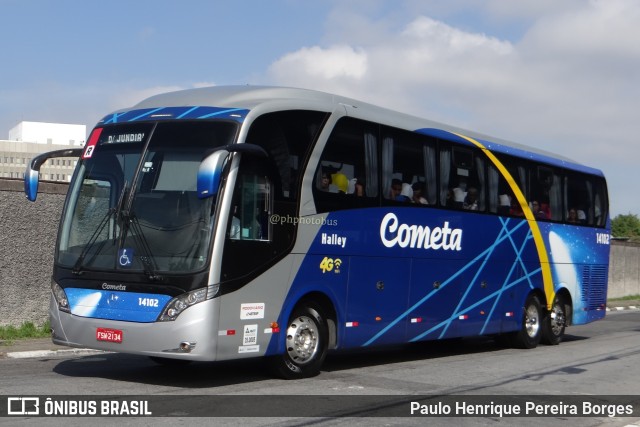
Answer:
(125, 257)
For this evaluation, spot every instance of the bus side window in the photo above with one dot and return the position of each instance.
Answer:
(546, 189)
(577, 199)
(519, 172)
(251, 243)
(501, 198)
(462, 178)
(347, 173)
(583, 200)
(408, 168)
(249, 218)
(598, 215)
(287, 136)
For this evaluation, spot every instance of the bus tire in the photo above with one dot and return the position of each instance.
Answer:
(306, 344)
(530, 331)
(554, 323)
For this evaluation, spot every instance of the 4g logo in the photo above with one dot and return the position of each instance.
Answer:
(330, 264)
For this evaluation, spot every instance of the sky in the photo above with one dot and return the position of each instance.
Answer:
(559, 75)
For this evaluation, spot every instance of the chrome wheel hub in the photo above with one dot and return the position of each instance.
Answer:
(302, 340)
(531, 321)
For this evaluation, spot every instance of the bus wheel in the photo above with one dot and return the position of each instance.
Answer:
(306, 345)
(531, 330)
(554, 323)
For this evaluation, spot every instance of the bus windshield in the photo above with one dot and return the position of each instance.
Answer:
(133, 204)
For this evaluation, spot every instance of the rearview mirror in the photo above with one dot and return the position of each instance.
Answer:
(32, 174)
(210, 170)
(210, 173)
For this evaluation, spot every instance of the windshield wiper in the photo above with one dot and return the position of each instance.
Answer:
(130, 220)
(77, 268)
(118, 208)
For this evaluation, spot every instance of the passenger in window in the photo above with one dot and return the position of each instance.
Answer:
(351, 188)
(582, 216)
(537, 210)
(545, 208)
(326, 183)
(396, 189)
(535, 207)
(418, 191)
(572, 217)
(597, 211)
(234, 232)
(516, 209)
(406, 194)
(471, 200)
(458, 197)
(358, 187)
(235, 228)
(504, 207)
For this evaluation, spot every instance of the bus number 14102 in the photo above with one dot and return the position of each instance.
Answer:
(602, 238)
(148, 302)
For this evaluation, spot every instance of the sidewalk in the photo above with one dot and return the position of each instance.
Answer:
(37, 347)
(43, 347)
(623, 305)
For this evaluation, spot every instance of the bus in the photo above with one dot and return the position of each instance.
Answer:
(238, 222)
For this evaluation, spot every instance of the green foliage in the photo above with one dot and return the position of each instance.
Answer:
(26, 330)
(626, 226)
(627, 298)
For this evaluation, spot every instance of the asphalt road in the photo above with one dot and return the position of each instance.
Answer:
(602, 358)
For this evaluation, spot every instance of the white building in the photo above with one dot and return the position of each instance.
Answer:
(49, 133)
(28, 139)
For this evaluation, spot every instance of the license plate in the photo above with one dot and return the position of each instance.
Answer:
(111, 335)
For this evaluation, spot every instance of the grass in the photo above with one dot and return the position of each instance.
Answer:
(26, 330)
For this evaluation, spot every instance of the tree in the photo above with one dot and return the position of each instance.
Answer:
(626, 226)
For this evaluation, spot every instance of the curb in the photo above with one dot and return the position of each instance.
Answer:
(627, 307)
(46, 353)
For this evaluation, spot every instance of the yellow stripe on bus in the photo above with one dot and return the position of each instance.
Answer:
(533, 222)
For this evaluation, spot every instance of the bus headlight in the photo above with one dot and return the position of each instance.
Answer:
(61, 297)
(181, 303)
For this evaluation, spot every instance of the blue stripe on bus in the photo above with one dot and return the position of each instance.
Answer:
(112, 118)
(179, 113)
(480, 289)
(145, 114)
(221, 113)
(116, 305)
(486, 254)
(186, 113)
(455, 315)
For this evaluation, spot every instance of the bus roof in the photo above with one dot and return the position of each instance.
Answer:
(250, 97)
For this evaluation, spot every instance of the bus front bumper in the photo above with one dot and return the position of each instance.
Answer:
(192, 336)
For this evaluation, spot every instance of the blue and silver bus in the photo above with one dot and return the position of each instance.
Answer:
(237, 222)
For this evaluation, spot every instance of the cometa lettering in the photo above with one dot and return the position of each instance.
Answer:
(419, 236)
